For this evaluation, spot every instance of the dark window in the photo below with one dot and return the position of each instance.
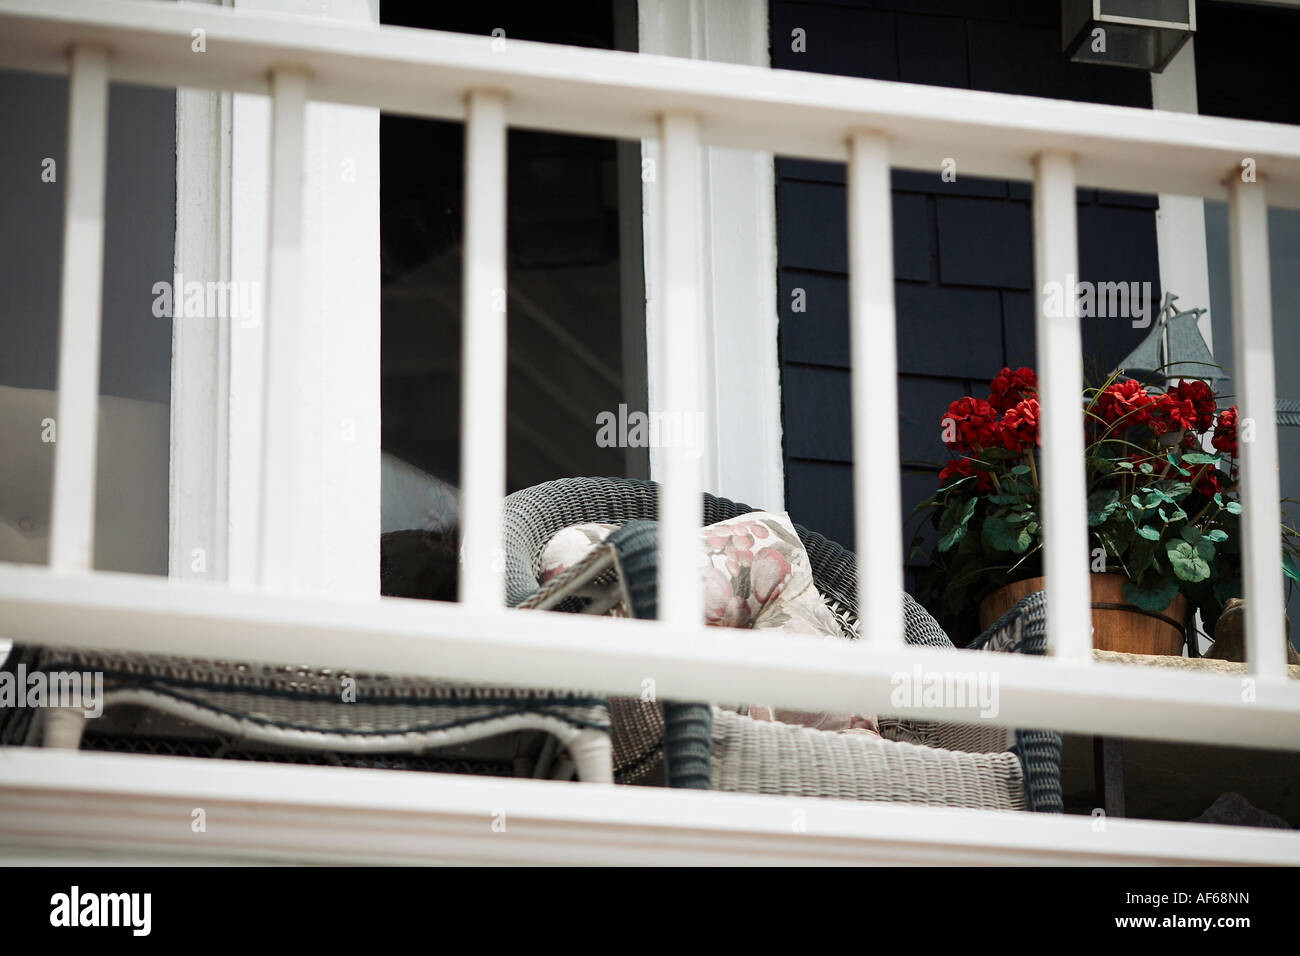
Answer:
(575, 292)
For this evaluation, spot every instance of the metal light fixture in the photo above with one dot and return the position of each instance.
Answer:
(1140, 34)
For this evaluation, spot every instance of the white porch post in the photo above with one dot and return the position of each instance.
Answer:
(72, 544)
(1060, 369)
(483, 361)
(1252, 327)
(877, 496)
(680, 364)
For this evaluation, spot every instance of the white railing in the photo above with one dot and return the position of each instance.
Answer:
(873, 126)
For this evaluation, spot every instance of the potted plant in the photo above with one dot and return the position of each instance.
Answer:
(1161, 466)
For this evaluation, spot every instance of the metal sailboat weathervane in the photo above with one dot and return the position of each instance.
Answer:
(1175, 348)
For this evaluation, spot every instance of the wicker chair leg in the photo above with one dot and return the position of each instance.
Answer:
(688, 745)
(593, 755)
(63, 728)
(688, 726)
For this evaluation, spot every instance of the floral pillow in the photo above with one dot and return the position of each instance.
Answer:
(756, 574)
(569, 545)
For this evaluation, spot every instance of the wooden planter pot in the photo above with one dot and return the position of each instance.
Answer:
(1117, 625)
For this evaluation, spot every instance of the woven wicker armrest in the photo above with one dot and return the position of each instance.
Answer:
(1021, 630)
(757, 756)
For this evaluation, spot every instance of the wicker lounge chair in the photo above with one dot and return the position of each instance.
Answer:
(691, 744)
(193, 707)
(179, 704)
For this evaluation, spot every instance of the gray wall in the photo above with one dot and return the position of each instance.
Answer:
(135, 372)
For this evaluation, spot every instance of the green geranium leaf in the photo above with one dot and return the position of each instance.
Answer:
(1216, 535)
(1232, 507)
(1146, 468)
(1020, 470)
(1003, 499)
(1153, 597)
(957, 514)
(1126, 465)
(1289, 567)
(1142, 555)
(1218, 499)
(1187, 562)
(952, 537)
(1148, 532)
(1000, 535)
(1101, 504)
(1200, 458)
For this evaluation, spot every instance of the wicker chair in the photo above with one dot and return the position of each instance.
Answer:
(156, 703)
(690, 744)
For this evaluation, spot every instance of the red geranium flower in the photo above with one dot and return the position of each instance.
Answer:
(1202, 402)
(1012, 387)
(1019, 429)
(962, 468)
(1210, 482)
(1126, 402)
(1225, 432)
(1173, 414)
(971, 423)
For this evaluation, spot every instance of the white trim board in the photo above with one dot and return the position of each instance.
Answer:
(132, 806)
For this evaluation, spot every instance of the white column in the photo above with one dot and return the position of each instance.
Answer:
(1252, 328)
(679, 369)
(877, 498)
(742, 396)
(336, 538)
(1060, 383)
(72, 532)
(483, 362)
(1180, 220)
